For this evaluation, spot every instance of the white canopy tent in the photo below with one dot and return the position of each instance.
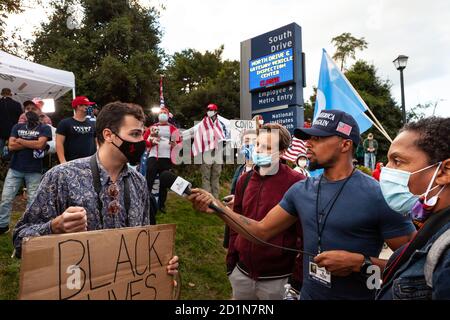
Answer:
(27, 79)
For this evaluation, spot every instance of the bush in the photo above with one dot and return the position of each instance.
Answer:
(364, 170)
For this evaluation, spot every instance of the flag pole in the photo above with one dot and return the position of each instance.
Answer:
(381, 128)
(383, 132)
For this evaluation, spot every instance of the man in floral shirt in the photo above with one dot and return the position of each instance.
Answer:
(67, 200)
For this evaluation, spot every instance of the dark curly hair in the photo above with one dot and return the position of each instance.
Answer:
(434, 137)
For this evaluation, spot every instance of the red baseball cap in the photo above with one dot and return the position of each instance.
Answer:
(212, 107)
(81, 101)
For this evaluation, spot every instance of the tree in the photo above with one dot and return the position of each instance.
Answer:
(195, 79)
(346, 46)
(114, 52)
(309, 105)
(8, 7)
(418, 112)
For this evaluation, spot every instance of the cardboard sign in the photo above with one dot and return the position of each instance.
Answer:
(116, 264)
(237, 128)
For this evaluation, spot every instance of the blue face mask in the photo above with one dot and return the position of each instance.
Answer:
(395, 189)
(261, 159)
(247, 151)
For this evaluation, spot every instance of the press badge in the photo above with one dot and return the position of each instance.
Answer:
(318, 274)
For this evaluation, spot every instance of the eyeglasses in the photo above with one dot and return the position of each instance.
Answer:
(113, 192)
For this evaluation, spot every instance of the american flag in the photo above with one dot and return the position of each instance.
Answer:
(161, 93)
(344, 128)
(297, 146)
(207, 135)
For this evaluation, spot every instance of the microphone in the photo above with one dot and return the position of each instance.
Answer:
(182, 187)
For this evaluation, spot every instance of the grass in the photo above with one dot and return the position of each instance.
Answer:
(198, 244)
(9, 267)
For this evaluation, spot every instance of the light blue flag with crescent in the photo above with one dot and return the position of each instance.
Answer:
(335, 92)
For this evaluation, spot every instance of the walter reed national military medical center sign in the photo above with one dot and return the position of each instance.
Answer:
(272, 77)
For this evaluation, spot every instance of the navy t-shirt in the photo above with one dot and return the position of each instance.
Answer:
(359, 222)
(23, 160)
(80, 138)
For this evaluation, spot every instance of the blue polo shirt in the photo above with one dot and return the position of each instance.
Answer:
(359, 222)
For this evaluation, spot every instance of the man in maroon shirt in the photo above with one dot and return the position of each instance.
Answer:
(258, 272)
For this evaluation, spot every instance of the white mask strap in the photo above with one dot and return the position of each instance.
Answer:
(429, 189)
(426, 168)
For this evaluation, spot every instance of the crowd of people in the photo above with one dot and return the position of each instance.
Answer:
(320, 234)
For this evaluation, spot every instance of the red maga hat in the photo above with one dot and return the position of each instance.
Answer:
(81, 101)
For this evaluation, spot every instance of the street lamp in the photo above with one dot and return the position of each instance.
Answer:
(400, 64)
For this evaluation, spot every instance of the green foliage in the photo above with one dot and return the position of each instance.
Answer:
(114, 53)
(195, 79)
(9, 267)
(11, 42)
(418, 112)
(309, 105)
(364, 170)
(346, 46)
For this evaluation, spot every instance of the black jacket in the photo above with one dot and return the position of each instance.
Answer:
(10, 111)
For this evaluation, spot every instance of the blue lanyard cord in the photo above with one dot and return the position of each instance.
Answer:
(319, 216)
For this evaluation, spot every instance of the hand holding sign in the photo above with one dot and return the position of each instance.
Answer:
(74, 219)
(172, 268)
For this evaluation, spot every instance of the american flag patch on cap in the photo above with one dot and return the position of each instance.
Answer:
(344, 128)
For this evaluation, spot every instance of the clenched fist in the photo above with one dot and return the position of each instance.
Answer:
(74, 219)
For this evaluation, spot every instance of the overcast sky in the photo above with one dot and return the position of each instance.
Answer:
(416, 28)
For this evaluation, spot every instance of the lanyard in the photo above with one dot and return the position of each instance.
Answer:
(324, 216)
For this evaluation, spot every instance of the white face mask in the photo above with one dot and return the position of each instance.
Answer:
(163, 117)
(302, 163)
(211, 113)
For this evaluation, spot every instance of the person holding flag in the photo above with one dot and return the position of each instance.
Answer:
(160, 138)
(208, 134)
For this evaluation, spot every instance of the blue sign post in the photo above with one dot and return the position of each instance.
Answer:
(276, 76)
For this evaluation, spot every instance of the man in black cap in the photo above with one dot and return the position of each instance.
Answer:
(344, 216)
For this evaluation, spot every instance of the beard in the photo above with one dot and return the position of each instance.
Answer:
(314, 165)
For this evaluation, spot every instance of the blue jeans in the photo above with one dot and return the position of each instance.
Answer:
(369, 160)
(12, 184)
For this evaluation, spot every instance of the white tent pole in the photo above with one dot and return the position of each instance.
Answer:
(73, 92)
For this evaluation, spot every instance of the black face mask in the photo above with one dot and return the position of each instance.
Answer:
(133, 151)
(32, 119)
